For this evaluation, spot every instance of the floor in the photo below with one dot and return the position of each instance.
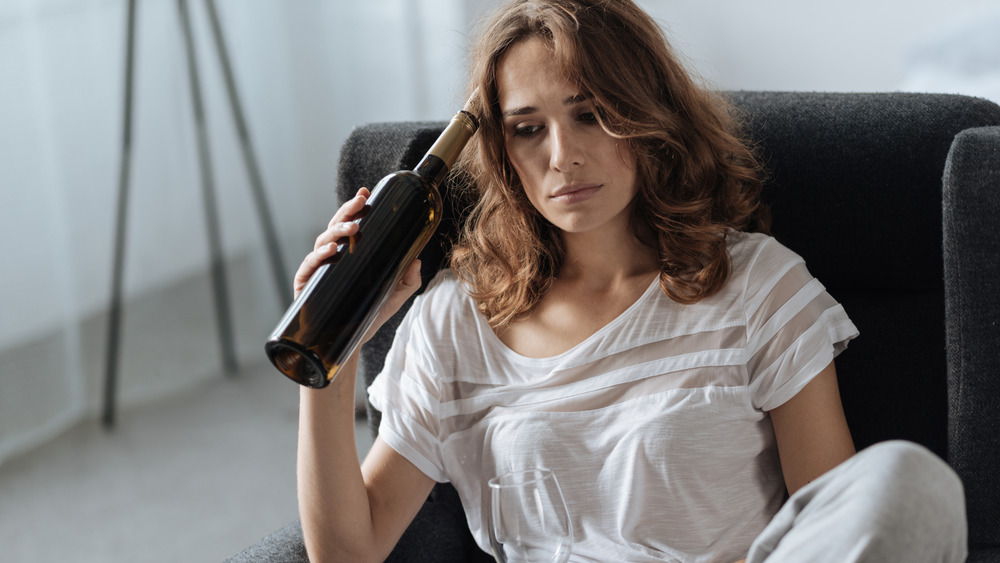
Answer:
(197, 477)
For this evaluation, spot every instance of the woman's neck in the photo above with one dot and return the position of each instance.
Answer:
(604, 259)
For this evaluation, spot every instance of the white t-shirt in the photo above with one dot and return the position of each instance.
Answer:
(656, 426)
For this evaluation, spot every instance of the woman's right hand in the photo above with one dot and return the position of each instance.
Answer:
(341, 227)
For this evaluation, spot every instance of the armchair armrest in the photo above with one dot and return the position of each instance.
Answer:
(971, 207)
(282, 546)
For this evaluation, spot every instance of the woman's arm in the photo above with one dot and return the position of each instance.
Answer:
(811, 431)
(349, 512)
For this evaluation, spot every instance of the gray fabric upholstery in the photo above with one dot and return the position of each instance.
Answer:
(856, 189)
(283, 546)
(984, 555)
(972, 285)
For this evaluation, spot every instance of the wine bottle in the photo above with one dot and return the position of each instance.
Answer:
(325, 323)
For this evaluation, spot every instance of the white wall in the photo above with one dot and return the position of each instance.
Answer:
(851, 45)
(309, 71)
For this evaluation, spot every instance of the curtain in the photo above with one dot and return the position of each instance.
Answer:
(307, 72)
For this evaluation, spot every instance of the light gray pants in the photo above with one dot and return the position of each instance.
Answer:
(894, 501)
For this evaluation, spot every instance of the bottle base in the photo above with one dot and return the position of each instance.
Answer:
(301, 366)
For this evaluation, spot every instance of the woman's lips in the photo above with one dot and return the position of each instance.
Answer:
(575, 193)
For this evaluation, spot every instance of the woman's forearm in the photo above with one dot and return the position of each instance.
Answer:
(333, 502)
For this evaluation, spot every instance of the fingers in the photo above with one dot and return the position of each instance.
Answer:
(335, 234)
(411, 279)
(351, 208)
(342, 224)
(310, 264)
(340, 228)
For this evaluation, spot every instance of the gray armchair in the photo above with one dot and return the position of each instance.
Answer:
(893, 200)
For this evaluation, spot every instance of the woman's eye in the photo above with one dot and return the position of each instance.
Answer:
(526, 130)
(588, 117)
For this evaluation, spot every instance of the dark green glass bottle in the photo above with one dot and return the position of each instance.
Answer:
(325, 323)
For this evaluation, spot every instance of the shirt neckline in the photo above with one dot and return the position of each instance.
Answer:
(494, 340)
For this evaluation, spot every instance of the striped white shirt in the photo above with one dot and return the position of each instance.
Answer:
(656, 426)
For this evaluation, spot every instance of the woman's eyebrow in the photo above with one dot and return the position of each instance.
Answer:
(574, 99)
(519, 111)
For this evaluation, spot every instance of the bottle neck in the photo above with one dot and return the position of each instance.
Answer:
(445, 150)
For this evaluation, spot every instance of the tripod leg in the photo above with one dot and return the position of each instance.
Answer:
(121, 216)
(257, 185)
(219, 285)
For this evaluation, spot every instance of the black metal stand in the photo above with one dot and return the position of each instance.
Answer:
(219, 284)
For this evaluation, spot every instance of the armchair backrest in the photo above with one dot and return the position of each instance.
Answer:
(856, 189)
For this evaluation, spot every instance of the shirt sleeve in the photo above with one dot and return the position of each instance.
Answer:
(406, 394)
(794, 327)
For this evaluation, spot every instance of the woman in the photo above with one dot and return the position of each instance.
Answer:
(608, 315)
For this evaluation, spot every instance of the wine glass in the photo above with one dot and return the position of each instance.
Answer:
(528, 519)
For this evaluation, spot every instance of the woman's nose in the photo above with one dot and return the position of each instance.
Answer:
(567, 150)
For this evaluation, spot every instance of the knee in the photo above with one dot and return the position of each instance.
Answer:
(916, 488)
(910, 468)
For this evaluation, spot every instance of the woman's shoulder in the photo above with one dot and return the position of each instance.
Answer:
(445, 303)
(444, 280)
(445, 324)
(760, 263)
(758, 252)
(445, 288)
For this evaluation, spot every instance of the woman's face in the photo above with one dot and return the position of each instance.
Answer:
(574, 173)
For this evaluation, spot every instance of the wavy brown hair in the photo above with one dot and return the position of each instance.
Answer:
(697, 178)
